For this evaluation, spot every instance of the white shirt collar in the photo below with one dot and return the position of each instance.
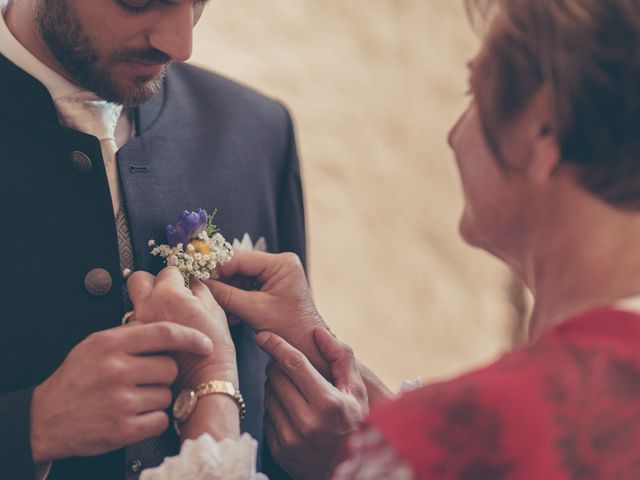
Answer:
(56, 84)
(12, 49)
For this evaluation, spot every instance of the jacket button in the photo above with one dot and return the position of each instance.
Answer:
(135, 466)
(98, 282)
(81, 162)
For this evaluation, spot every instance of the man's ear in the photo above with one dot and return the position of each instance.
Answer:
(545, 151)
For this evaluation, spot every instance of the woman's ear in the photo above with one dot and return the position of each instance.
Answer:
(545, 157)
(545, 151)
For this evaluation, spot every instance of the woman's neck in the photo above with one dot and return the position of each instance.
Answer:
(589, 259)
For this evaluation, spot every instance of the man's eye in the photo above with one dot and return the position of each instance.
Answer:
(140, 5)
(134, 4)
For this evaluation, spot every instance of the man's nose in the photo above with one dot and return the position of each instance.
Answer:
(173, 32)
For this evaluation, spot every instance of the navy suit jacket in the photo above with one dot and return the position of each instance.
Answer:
(202, 141)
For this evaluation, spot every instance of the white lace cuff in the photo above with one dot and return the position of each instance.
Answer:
(206, 459)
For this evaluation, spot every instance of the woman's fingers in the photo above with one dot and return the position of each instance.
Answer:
(344, 368)
(295, 365)
(285, 433)
(248, 305)
(289, 396)
(259, 265)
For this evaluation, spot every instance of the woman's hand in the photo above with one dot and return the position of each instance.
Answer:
(165, 298)
(283, 303)
(307, 418)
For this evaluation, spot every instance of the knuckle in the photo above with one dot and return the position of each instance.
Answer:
(111, 369)
(126, 428)
(331, 405)
(308, 429)
(161, 424)
(135, 277)
(278, 381)
(289, 442)
(226, 298)
(360, 391)
(347, 350)
(167, 332)
(126, 401)
(166, 397)
(100, 340)
(291, 259)
(294, 361)
(172, 369)
(143, 313)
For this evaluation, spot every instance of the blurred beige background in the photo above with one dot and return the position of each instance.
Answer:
(374, 86)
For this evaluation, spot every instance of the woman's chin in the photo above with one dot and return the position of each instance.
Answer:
(468, 232)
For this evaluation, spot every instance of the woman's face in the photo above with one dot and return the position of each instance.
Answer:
(495, 213)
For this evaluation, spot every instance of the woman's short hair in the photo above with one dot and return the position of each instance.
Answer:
(588, 53)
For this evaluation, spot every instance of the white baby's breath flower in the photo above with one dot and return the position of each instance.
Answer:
(199, 261)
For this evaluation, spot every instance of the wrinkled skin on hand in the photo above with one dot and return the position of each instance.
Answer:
(282, 304)
(307, 417)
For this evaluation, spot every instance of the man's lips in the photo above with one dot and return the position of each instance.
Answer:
(146, 69)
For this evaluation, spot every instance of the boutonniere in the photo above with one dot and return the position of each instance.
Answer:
(196, 246)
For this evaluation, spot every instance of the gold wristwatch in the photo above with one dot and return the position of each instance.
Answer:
(187, 399)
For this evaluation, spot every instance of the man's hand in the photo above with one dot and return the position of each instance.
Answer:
(111, 390)
(165, 298)
(308, 418)
(282, 305)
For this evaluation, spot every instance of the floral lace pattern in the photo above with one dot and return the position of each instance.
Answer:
(206, 459)
(371, 458)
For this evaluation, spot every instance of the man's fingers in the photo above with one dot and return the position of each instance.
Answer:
(149, 399)
(139, 286)
(164, 336)
(294, 364)
(152, 370)
(147, 425)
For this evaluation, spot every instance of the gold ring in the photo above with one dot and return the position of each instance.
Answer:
(128, 317)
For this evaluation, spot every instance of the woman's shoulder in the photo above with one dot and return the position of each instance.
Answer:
(541, 411)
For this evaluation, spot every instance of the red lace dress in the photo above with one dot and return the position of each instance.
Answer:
(566, 407)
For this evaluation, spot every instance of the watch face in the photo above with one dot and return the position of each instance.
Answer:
(184, 404)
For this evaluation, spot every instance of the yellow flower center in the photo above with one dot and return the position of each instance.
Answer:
(199, 246)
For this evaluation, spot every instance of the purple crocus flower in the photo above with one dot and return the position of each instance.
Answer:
(189, 225)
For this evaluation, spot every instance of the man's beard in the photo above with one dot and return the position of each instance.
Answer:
(75, 52)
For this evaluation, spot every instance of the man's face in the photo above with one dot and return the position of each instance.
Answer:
(118, 49)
